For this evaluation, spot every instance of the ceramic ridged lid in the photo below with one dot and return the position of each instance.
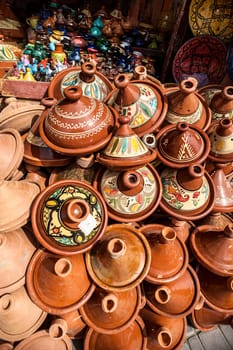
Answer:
(68, 217)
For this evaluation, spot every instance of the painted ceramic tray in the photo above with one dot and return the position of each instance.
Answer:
(213, 17)
(203, 58)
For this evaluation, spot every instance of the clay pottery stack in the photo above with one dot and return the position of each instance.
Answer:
(185, 104)
(130, 195)
(54, 337)
(75, 324)
(122, 245)
(16, 250)
(133, 337)
(188, 193)
(19, 316)
(77, 125)
(50, 279)
(221, 103)
(181, 145)
(68, 217)
(141, 100)
(164, 332)
(224, 190)
(169, 255)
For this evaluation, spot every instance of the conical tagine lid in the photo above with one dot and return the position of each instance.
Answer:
(224, 190)
(221, 139)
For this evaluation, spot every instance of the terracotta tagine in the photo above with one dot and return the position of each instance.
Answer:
(126, 150)
(111, 312)
(164, 332)
(16, 250)
(217, 290)
(68, 217)
(50, 279)
(217, 219)
(54, 337)
(75, 324)
(169, 255)
(129, 195)
(19, 316)
(121, 245)
(221, 104)
(133, 337)
(188, 193)
(224, 190)
(142, 101)
(77, 125)
(174, 299)
(181, 145)
(93, 83)
(213, 248)
(186, 105)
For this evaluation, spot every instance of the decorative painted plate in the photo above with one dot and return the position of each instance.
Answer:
(203, 58)
(213, 17)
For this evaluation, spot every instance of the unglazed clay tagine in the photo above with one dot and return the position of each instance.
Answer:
(77, 125)
(50, 281)
(68, 217)
(120, 260)
(213, 248)
(93, 83)
(169, 255)
(181, 145)
(188, 193)
(129, 195)
(186, 105)
(143, 101)
(126, 150)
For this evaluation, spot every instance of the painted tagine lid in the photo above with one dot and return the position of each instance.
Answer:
(188, 193)
(121, 245)
(221, 103)
(224, 190)
(213, 248)
(182, 144)
(141, 100)
(169, 255)
(68, 217)
(50, 281)
(126, 150)
(77, 125)
(129, 195)
(186, 105)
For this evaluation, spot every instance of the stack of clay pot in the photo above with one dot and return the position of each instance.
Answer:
(115, 220)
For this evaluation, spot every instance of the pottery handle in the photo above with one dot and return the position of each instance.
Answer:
(73, 93)
(62, 267)
(149, 140)
(164, 337)
(116, 248)
(162, 294)
(58, 328)
(167, 235)
(88, 70)
(74, 211)
(228, 92)
(109, 303)
(121, 81)
(6, 302)
(140, 72)
(188, 85)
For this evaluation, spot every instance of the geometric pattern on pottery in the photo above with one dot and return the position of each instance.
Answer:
(52, 222)
(126, 204)
(178, 197)
(174, 118)
(130, 146)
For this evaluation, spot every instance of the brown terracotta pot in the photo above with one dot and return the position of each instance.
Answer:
(224, 191)
(133, 337)
(50, 279)
(19, 316)
(143, 101)
(164, 332)
(121, 245)
(174, 299)
(77, 125)
(221, 103)
(218, 220)
(169, 255)
(74, 217)
(75, 323)
(129, 195)
(213, 248)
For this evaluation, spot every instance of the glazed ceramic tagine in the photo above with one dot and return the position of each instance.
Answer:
(174, 299)
(187, 105)
(212, 247)
(111, 312)
(143, 101)
(224, 190)
(163, 332)
(126, 150)
(58, 284)
(77, 125)
(169, 255)
(68, 217)
(188, 193)
(181, 145)
(221, 103)
(19, 316)
(133, 337)
(122, 245)
(93, 83)
(129, 195)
